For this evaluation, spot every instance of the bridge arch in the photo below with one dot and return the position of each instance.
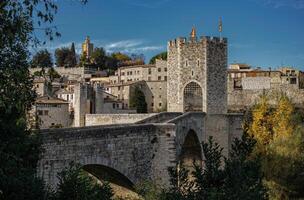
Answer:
(191, 151)
(105, 173)
(193, 97)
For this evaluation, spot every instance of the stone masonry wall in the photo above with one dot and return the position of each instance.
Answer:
(106, 119)
(139, 152)
(201, 61)
(241, 99)
(216, 81)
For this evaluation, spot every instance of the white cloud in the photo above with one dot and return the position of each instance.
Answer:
(123, 44)
(296, 4)
(136, 46)
(131, 46)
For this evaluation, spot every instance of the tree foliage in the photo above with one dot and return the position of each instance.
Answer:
(239, 177)
(42, 59)
(280, 146)
(76, 184)
(65, 57)
(161, 56)
(138, 101)
(52, 74)
(99, 57)
(19, 148)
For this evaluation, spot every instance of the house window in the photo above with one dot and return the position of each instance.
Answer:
(159, 96)
(165, 78)
(160, 104)
(159, 78)
(152, 104)
(149, 71)
(46, 112)
(40, 112)
(293, 81)
(165, 69)
(113, 105)
(159, 69)
(198, 63)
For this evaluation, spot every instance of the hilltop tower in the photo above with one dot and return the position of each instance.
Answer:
(87, 48)
(197, 74)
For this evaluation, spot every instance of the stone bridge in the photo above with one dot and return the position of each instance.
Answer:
(130, 153)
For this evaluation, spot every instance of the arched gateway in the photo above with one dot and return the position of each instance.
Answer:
(191, 152)
(193, 97)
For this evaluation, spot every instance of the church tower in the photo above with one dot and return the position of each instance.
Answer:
(87, 48)
(197, 74)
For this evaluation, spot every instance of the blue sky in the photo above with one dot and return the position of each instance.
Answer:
(266, 33)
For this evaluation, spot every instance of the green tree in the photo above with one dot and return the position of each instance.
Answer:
(99, 57)
(76, 184)
(283, 166)
(209, 180)
(65, 57)
(138, 101)
(73, 55)
(19, 147)
(42, 59)
(161, 56)
(280, 147)
(243, 175)
(238, 177)
(52, 73)
(120, 59)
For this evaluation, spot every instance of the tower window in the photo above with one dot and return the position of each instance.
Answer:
(198, 63)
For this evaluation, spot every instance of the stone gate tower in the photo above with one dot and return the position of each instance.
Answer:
(197, 74)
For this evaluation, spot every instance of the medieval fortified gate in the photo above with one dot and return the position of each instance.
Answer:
(128, 154)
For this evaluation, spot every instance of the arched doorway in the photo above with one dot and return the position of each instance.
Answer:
(193, 98)
(191, 152)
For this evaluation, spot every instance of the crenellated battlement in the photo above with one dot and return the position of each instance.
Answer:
(180, 41)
